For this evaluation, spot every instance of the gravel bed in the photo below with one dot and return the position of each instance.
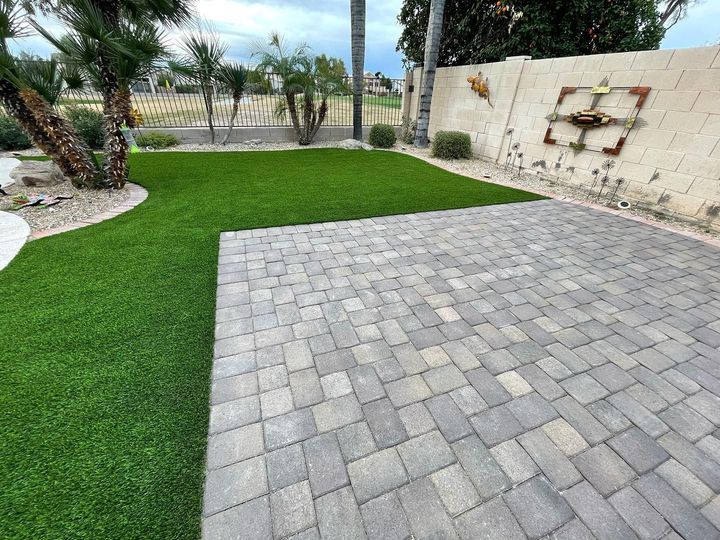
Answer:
(490, 172)
(84, 204)
(246, 146)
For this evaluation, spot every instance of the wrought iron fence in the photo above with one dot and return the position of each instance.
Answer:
(179, 103)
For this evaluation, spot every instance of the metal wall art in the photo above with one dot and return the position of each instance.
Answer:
(592, 117)
(479, 84)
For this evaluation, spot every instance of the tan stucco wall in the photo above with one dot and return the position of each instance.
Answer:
(672, 164)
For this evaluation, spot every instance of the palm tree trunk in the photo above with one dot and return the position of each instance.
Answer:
(115, 164)
(292, 109)
(432, 49)
(357, 40)
(56, 137)
(322, 111)
(208, 95)
(308, 110)
(235, 107)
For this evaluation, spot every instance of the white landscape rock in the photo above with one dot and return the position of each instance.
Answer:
(7, 165)
(37, 173)
(352, 144)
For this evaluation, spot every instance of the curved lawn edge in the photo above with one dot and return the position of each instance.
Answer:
(137, 195)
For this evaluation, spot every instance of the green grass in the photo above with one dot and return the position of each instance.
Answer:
(107, 332)
(391, 102)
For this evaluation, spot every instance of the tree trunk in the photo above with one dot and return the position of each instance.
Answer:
(292, 108)
(116, 148)
(235, 107)
(308, 112)
(52, 134)
(207, 90)
(357, 30)
(432, 49)
(322, 111)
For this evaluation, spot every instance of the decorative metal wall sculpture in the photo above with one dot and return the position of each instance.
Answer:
(480, 85)
(592, 117)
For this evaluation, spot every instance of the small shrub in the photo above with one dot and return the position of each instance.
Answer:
(451, 145)
(88, 123)
(12, 137)
(382, 136)
(157, 140)
(407, 131)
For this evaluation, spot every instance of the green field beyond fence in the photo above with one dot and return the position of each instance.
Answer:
(183, 105)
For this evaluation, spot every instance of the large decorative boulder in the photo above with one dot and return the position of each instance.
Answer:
(7, 165)
(352, 144)
(37, 173)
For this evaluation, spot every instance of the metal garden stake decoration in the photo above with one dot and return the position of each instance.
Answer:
(509, 132)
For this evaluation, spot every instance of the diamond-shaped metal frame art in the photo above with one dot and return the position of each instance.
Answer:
(591, 117)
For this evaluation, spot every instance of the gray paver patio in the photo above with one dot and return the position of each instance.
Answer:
(512, 371)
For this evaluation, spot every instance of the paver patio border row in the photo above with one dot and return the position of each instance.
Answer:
(137, 195)
(583, 202)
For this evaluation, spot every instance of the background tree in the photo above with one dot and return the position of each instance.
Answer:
(477, 32)
(432, 48)
(331, 66)
(201, 64)
(357, 52)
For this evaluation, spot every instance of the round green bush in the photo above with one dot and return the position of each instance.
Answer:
(88, 123)
(12, 137)
(382, 136)
(451, 145)
(157, 140)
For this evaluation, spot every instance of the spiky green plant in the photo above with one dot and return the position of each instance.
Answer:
(201, 62)
(235, 79)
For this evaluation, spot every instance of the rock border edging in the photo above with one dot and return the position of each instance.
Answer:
(137, 195)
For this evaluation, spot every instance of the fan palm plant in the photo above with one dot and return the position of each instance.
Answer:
(113, 55)
(304, 87)
(23, 90)
(201, 63)
(235, 78)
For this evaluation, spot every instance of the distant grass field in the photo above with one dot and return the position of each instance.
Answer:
(107, 331)
(168, 110)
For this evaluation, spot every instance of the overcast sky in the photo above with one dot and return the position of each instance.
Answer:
(325, 26)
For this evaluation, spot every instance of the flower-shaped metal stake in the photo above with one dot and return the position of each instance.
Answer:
(596, 174)
(515, 148)
(520, 156)
(509, 133)
(618, 183)
(603, 183)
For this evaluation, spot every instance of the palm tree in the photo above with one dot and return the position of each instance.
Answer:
(235, 78)
(201, 63)
(22, 87)
(305, 87)
(357, 39)
(432, 48)
(106, 35)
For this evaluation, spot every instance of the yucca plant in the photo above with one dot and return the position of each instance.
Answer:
(201, 62)
(305, 88)
(235, 79)
(23, 90)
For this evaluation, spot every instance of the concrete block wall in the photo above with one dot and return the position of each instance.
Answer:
(672, 164)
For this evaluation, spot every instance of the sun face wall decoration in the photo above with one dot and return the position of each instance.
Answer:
(593, 118)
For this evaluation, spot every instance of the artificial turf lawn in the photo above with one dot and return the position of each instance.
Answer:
(106, 332)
